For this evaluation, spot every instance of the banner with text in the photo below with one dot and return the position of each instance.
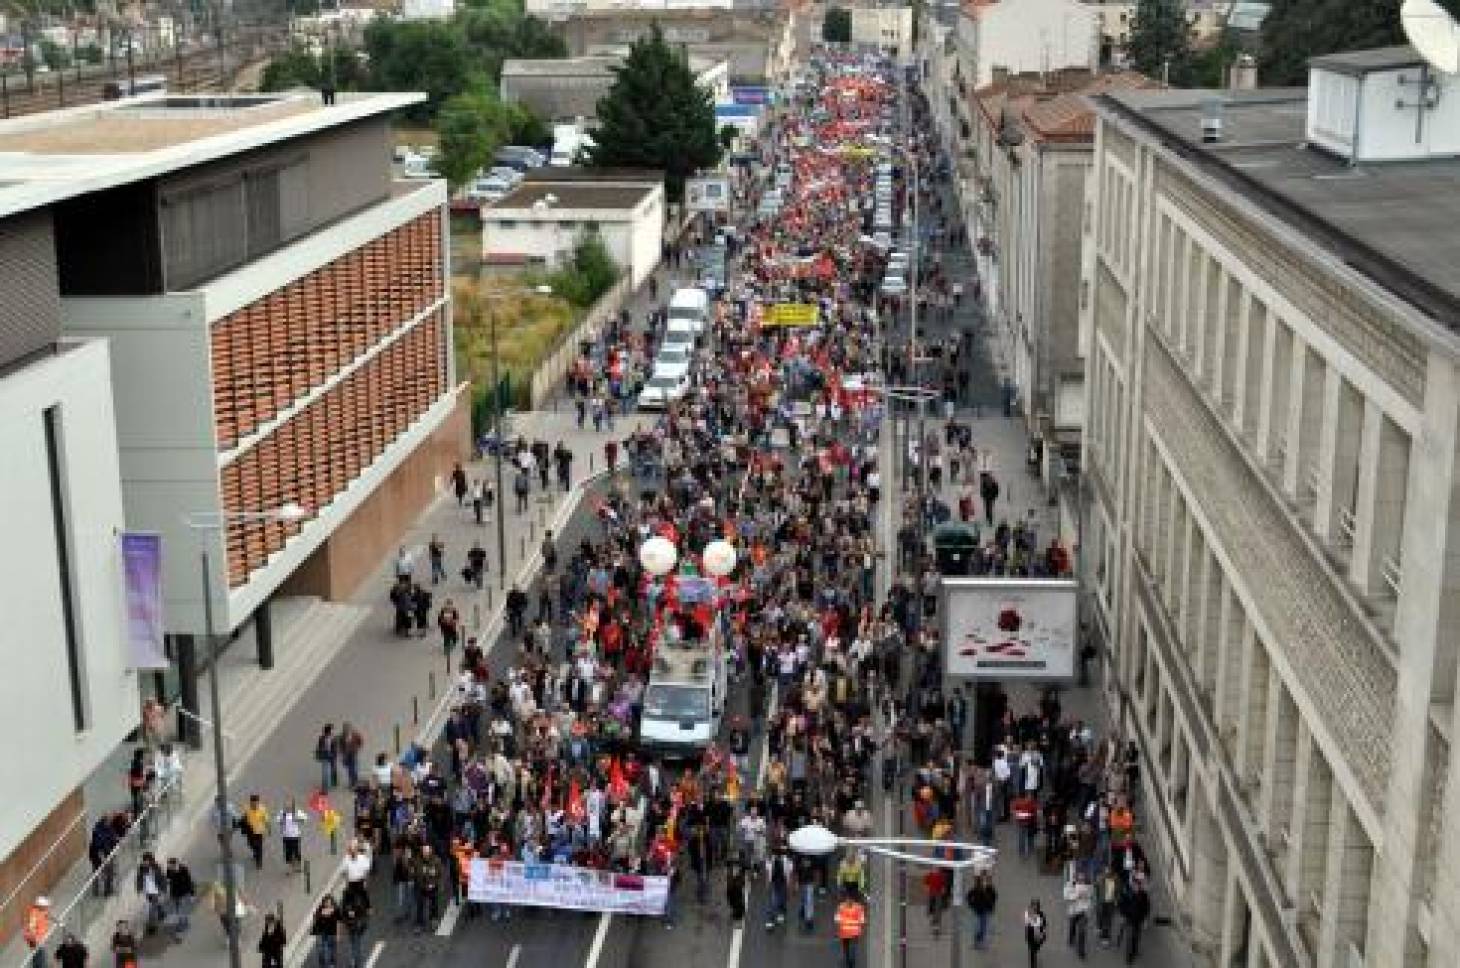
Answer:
(142, 590)
(710, 194)
(561, 886)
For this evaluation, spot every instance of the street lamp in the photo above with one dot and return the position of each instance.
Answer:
(515, 292)
(815, 840)
(213, 522)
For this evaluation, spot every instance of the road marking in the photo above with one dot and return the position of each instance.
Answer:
(375, 954)
(599, 937)
(448, 920)
(887, 887)
(736, 938)
(511, 958)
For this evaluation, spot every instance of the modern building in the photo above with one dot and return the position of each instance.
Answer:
(69, 695)
(279, 325)
(1024, 36)
(1033, 142)
(569, 89)
(757, 45)
(887, 28)
(541, 221)
(1272, 539)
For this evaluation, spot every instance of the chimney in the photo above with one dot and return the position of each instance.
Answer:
(1211, 120)
(1244, 74)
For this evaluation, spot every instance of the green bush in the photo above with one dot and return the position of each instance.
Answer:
(589, 274)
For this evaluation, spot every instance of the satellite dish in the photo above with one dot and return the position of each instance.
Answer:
(1433, 32)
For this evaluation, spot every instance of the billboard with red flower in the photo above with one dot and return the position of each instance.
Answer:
(1009, 628)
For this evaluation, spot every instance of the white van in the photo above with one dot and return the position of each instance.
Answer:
(690, 304)
(684, 700)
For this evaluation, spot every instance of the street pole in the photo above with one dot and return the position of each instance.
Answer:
(225, 830)
(955, 928)
(501, 445)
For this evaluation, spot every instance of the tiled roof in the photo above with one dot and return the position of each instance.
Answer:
(1053, 107)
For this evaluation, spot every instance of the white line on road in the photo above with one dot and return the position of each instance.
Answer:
(599, 937)
(511, 958)
(448, 920)
(737, 937)
(374, 954)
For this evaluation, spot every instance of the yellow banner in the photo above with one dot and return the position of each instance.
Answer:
(791, 314)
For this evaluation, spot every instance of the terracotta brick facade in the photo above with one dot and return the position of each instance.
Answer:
(24, 859)
(317, 453)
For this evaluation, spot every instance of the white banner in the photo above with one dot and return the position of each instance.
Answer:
(1009, 628)
(561, 886)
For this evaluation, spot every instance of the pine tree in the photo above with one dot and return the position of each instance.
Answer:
(1160, 40)
(1296, 30)
(656, 116)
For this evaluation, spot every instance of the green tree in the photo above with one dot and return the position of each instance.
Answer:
(1160, 40)
(296, 67)
(656, 116)
(422, 55)
(836, 26)
(527, 128)
(1296, 30)
(590, 273)
(728, 134)
(469, 128)
(1210, 65)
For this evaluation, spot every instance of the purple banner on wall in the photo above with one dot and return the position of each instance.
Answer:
(142, 572)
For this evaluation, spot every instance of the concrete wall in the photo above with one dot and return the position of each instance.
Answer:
(1033, 35)
(48, 759)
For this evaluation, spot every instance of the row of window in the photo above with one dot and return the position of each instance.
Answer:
(509, 223)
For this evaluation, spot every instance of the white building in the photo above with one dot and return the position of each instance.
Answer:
(427, 9)
(68, 696)
(1272, 540)
(1116, 17)
(540, 222)
(888, 28)
(569, 88)
(1021, 36)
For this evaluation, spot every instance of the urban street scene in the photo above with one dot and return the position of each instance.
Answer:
(761, 483)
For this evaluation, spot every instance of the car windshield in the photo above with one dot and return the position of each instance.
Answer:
(676, 702)
(662, 382)
(674, 354)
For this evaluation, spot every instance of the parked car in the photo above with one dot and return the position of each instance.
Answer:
(893, 285)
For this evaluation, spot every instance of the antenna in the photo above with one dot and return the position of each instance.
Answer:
(1433, 32)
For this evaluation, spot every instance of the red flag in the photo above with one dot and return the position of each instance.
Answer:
(577, 809)
(618, 785)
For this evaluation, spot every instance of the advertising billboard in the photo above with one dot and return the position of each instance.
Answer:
(707, 194)
(1009, 628)
(142, 593)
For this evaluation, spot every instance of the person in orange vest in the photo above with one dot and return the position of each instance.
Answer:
(851, 920)
(462, 853)
(37, 926)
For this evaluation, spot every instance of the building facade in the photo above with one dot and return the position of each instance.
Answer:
(757, 46)
(69, 695)
(279, 327)
(1272, 538)
(887, 28)
(541, 221)
(1022, 36)
(569, 89)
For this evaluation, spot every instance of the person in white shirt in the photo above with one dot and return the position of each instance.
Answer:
(291, 831)
(1031, 770)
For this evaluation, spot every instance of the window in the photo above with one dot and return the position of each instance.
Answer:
(591, 226)
(55, 471)
(506, 223)
(567, 224)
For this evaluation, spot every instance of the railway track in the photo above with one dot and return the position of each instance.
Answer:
(199, 70)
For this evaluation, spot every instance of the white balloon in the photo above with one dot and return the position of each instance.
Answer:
(719, 558)
(658, 555)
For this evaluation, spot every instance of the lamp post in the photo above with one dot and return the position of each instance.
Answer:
(497, 422)
(210, 523)
(814, 840)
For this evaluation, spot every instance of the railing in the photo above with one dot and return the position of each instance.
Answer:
(91, 902)
(25, 883)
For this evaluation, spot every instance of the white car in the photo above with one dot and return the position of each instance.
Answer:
(894, 286)
(510, 175)
(674, 358)
(489, 189)
(663, 389)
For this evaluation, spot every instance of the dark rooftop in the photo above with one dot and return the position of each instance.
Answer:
(578, 173)
(1365, 61)
(571, 196)
(1396, 222)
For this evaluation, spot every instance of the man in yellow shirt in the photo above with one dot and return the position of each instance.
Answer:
(256, 828)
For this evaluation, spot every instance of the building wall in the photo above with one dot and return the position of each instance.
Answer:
(1275, 532)
(883, 27)
(1033, 35)
(42, 859)
(30, 313)
(49, 756)
(543, 242)
(322, 444)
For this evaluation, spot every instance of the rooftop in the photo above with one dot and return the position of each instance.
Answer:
(593, 65)
(1359, 62)
(47, 157)
(1397, 222)
(575, 173)
(1055, 107)
(570, 196)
